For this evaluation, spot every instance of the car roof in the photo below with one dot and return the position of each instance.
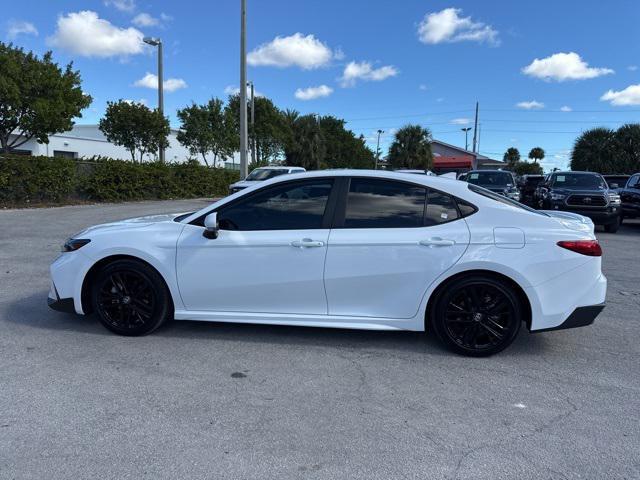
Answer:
(278, 167)
(571, 172)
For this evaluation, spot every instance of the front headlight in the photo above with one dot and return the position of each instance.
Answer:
(614, 199)
(557, 196)
(74, 244)
(514, 195)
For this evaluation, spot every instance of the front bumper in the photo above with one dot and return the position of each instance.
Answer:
(599, 216)
(580, 317)
(60, 304)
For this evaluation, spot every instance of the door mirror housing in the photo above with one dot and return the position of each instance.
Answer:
(211, 226)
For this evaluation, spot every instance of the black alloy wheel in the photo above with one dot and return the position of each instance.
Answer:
(130, 298)
(477, 316)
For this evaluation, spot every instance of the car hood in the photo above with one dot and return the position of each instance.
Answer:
(572, 221)
(128, 223)
(243, 183)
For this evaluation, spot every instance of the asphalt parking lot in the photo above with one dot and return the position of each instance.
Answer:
(223, 401)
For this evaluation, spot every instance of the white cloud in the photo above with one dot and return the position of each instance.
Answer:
(85, 34)
(19, 27)
(306, 52)
(122, 5)
(628, 96)
(422, 87)
(150, 80)
(145, 20)
(563, 66)
(355, 71)
(233, 90)
(447, 26)
(530, 105)
(142, 101)
(632, 68)
(460, 121)
(566, 108)
(311, 93)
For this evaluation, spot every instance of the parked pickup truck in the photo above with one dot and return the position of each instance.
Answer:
(585, 193)
(630, 196)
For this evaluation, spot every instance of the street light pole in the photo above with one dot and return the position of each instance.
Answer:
(466, 137)
(243, 90)
(157, 42)
(253, 125)
(380, 132)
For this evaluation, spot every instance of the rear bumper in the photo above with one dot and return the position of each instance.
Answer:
(581, 317)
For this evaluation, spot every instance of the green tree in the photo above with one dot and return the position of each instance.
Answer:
(536, 154)
(343, 148)
(306, 145)
(527, 168)
(205, 129)
(37, 97)
(511, 156)
(594, 151)
(627, 149)
(411, 148)
(135, 127)
(269, 132)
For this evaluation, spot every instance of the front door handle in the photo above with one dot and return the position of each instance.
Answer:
(307, 243)
(437, 242)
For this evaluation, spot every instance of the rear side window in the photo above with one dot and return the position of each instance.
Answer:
(441, 208)
(373, 203)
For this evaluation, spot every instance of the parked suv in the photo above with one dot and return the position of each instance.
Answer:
(528, 185)
(616, 182)
(630, 196)
(260, 174)
(586, 193)
(498, 181)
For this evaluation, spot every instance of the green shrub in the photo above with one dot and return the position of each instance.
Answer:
(25, 180)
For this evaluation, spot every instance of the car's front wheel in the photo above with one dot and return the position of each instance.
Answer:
(130, 298)
(477, 315)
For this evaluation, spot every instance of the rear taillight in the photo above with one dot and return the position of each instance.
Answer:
(584, 247)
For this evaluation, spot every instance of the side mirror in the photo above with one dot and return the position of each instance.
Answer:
(211, 226)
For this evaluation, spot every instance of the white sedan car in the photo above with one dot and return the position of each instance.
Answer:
(349, 249)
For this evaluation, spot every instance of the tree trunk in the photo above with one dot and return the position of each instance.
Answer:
(133, 155)
(4, 143)
(204, 157)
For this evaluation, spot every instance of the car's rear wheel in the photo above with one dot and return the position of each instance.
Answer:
(130, 298)
(477, 316)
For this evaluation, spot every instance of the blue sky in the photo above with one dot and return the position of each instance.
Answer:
(378, 64)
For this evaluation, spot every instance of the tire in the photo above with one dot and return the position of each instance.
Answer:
(130, 298)
(477, 315)
(613, 227)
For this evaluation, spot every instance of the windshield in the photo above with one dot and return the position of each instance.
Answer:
(578, 181)
(260, 174)
(490, 179)
(502, 199)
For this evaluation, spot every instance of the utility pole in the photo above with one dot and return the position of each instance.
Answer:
(479, 135)
(380, 132)
(466, 137)
(475, 131)
(157, 42)
(253, 126)
(243, 90)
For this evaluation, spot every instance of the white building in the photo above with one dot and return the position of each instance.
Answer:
(86, 141)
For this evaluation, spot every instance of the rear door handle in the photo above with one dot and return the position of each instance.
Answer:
(437, 242)
(307, 243)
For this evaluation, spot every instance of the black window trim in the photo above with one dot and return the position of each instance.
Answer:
(341, 207)
(328, 210)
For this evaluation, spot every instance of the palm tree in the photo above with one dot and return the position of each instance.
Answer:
(594, 151)
(511, 156)
(536, 154)
(411, 148)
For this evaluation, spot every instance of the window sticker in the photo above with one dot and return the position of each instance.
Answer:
(444, 216)
(474, 176)
(561, 178)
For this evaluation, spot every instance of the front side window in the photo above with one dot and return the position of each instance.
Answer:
(374, 203)
(490, 179)
(290, 206)
(634, 182)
